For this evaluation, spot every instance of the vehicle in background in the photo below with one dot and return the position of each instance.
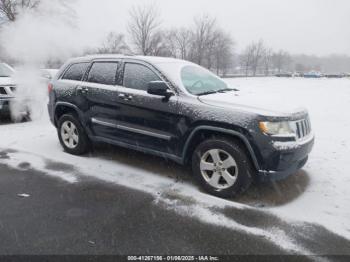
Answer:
(47, 74)
(8, 96)
(297, 74)
(288, 74)
(335, 75)
(284, 74)
(181, 111)
(313, 74)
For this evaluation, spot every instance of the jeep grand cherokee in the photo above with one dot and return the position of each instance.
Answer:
(180, 111)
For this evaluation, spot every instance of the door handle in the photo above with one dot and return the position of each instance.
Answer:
(125, 97)
(82, 89)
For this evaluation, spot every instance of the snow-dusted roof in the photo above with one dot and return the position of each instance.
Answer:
(150, 59)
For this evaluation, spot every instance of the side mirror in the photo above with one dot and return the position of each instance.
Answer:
(159, 88)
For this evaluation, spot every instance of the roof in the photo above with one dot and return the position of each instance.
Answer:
(150, 59)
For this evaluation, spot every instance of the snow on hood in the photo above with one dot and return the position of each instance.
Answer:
(252, 103)
(6, 81)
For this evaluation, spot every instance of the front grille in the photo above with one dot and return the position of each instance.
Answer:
(303, 128)
(2, 91)
(13, 89)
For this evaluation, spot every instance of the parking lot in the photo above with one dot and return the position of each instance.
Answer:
(116, 201)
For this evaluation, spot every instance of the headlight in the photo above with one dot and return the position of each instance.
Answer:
(276, 128)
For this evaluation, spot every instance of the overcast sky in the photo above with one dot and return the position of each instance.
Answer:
(319, 27)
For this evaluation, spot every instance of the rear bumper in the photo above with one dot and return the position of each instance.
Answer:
(287, 159)
(51, 114)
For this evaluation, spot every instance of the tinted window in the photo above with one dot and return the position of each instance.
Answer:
(103, 73)
(137, 76)
(76, 71)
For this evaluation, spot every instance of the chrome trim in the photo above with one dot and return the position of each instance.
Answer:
(279, 145)
(102, 123)
(131, 129)
(302, 128)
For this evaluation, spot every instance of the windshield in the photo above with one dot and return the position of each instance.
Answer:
(199, 81)
(5, 71)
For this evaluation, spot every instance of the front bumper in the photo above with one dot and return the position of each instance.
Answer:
(5, 106)
(21, 107)
(287, 159)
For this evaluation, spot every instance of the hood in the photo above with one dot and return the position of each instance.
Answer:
(253, 104)
(4, 81)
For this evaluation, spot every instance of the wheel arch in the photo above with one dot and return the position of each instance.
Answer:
(62, 108)
(200, 133)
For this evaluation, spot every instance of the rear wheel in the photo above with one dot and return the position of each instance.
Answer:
(72, 135)
(222, 167)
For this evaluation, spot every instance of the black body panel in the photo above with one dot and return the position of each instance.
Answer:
(167, 126)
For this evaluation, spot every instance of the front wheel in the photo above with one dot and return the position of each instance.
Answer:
(222, 167)
(72, 135)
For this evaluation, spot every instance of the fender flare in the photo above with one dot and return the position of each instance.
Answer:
(223, 131)
(66, 104)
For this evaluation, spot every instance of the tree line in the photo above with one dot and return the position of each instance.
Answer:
(203, 42)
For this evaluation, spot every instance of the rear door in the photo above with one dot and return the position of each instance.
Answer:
(145, 120)
(99, 93)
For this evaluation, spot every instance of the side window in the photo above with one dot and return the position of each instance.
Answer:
(76, 71)
(138, 76)
(103, 73)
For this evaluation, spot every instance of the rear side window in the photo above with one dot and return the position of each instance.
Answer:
(138, 76)
(76, 71)
(103, 73)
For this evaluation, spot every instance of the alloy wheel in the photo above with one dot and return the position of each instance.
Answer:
(218, 168)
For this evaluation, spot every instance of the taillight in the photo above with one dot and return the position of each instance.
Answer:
(50, 88)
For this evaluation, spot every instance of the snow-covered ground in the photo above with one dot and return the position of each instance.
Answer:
(325, 200)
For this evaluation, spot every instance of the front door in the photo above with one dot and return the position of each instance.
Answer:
(146, 120)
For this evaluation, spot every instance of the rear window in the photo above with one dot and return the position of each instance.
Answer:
(76, 72)
(103, 73)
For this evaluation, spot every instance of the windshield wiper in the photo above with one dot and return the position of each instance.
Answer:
(207, 93)
(225, 90)
(217, 91)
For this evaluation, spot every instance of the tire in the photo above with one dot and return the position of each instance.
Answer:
(222, 167)
(72, 135)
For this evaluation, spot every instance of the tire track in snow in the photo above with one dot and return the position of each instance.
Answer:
(183, 199)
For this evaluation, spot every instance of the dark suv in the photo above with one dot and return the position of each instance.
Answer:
(180, 111)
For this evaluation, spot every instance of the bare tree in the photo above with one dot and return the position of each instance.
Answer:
(259, 49)
(183, 39)
(170, 43)
(143, 27)
(202, 38)
(252, 57)
(223, 52)
(300, 68)
(114, 44)
(160, 45)
(246, 59)
(179, 42)
(281, 60)
(267, 60)
(9, 9)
